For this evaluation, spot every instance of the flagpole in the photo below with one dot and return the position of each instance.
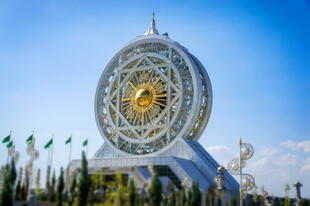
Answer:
(52, 150)
(87, 149)
(48, 156)
(68, 172)
(70, 149)
(8, 155)
(240, 168)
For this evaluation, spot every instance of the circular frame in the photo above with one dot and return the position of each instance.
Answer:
(199, 77)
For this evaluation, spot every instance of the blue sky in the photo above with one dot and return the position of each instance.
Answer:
(257, 54)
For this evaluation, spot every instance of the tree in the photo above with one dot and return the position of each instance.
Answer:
(171, 194)
(13, 174)
(212, 193)
(18, 188)
(305, 202)
(155, 191)
(120, 189)
(276, 202)
(255, 196)
(207, 199)
(233, 201)
(60, 187)
(96, 187)
(37, 183)
(48, 178)
(84, 183)
(195, 194)
(183, 198)
(172, 199)
(72, 190)
(51, 191)
(7, 194)
(25, 186)
(219, 201)
(287, 189)
(6, 197)
(132, 192)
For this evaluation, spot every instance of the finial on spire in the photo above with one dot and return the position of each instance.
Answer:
(153, 17)
(152, 29)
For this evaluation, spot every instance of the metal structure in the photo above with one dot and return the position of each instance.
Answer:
(34, 155)
(14, 154)
(152, 103)
(235, 166)
(151, 93)
(298, 185)
(219, 179)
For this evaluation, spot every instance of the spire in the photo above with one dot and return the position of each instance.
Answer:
(152, 29)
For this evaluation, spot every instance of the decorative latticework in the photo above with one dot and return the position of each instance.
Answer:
(150, 94)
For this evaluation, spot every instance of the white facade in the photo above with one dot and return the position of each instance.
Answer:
(161, 133)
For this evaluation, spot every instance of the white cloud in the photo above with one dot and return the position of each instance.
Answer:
(306, 167)
(268, 151)
(303, 145)
(222, 154)
(287, 160)
(274, 166)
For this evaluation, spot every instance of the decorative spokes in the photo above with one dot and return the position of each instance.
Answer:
(145, 91)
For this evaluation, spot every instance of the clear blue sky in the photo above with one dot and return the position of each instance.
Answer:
(257, 54)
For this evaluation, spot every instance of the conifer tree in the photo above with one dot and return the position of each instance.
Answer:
(96, 184)
(219, 201)
(305, 202)
(132, 192)
(6, 197)
(52, 193)
(37, 183)
(172, 199)
(60, 187)
(276, 202)
(47, 181)
(72, 190)
(207, 200)
(84, 183)
(155, 191)
(120, 189)
(233, 202)
(25, 186)
(183, 198)
(195, 194)
(13, 174)
(212, 193)
(171, 194)
(18, 188)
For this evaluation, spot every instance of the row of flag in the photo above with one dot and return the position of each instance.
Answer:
(9, 141)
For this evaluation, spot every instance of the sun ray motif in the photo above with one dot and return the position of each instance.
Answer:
(144, 97)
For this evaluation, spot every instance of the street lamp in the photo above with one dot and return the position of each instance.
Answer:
(235, 166)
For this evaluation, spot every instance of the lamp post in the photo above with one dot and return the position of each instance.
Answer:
(236, 165)
(34, 154)
(298, 185)
(219, 179)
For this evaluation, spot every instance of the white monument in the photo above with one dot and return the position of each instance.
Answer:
(153, 102)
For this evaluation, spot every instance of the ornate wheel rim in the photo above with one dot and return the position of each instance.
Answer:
(147, 97)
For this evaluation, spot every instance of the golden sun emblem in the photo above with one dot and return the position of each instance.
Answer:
(144, 98)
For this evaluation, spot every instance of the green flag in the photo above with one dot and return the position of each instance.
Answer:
(9, 145)
(85, 143)
(68, 140)
(6, 139)
(48, 144)
(29, 139)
